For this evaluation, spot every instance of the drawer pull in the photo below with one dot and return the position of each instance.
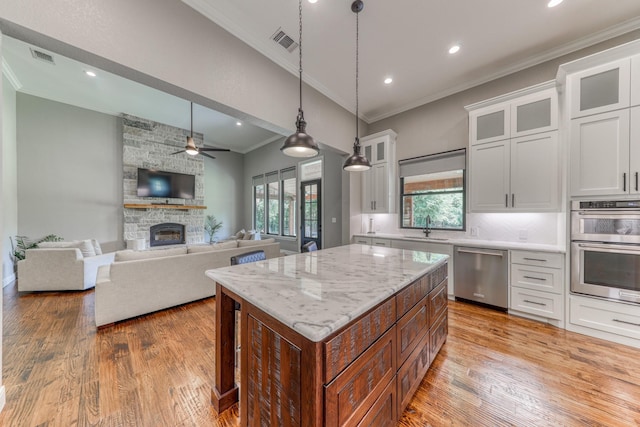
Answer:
(626, 323)
(380, 244)
(535, 259)
(535, 278)
(534, 302)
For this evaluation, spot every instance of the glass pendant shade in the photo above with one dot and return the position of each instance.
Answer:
(191, 146)
(357, 162)
(300, 144)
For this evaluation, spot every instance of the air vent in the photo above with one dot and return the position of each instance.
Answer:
(284, 40)
(37, 54)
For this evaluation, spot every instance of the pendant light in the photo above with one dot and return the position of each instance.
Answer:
(357, 162)
(300, 144)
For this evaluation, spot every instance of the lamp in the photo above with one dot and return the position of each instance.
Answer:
(300, 144)
(191, 145)
(357, 162)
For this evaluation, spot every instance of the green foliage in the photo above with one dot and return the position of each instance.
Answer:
(445, 210)
(23, 243)
(211, 226)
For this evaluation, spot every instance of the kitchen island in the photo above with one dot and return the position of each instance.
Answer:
(341, 336)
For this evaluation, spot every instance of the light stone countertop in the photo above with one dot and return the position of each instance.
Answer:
(317, 293)
(476, 243)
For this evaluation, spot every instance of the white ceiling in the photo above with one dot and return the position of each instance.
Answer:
(409, 40)
(108, 93)
(405, 39)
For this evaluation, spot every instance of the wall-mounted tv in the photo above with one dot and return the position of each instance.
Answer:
(154, 183)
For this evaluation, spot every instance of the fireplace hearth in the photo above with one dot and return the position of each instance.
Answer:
(168, 233)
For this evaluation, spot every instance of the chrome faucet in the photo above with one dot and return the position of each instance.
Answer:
(427, 229)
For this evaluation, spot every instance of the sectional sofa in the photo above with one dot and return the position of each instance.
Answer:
(141, 282)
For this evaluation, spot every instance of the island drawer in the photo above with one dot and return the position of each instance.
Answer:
(438, 300)
(411, 295)
(383, 412)
(438, 335)
(345, 347)
(410, 374)
(355, 391)
(410, 329)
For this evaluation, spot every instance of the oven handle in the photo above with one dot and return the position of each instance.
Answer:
(612, 248)
(600, 214)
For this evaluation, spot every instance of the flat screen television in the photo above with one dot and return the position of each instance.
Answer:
(154, 183)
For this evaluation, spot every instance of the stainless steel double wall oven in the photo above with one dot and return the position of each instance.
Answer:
(605, 249)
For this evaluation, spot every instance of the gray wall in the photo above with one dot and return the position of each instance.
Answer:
(443, 125)
(69, 172)
(9, 184)
(224, 191)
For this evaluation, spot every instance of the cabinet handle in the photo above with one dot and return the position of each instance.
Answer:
(636, 181)
(535, 278)
(626, 323)
(535, 302)
(535, 259)
(513, 200)
(380, 244)
(506, 200)
(624, 181)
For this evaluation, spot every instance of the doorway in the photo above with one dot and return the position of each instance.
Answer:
(311, 217)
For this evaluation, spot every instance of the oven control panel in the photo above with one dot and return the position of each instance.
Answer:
(608, 204)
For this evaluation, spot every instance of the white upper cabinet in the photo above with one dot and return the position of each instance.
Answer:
(514, 163)
(379, 182)
(490, 124)
(600, 154)
(635, 80)
(534, 113)
(600, 89)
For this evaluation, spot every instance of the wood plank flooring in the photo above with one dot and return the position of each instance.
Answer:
(157, 370)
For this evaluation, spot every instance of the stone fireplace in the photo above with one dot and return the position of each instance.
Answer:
(167, 233)
(149, 145)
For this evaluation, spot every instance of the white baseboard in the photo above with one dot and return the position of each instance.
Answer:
(3, 398)
(8, 280)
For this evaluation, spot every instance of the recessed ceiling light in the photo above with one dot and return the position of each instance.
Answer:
(388, 81)
(90, 73)
(313, 1)
(453, 49)
(554, 3)
(238, 123)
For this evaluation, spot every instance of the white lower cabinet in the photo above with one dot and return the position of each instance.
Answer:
(607, 316)
(362, 240)
(372, 241)
(537, 284)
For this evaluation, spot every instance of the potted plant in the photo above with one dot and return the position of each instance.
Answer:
(23, 243)
(211, 226)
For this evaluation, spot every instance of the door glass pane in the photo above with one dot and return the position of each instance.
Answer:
(612, 269)
(311, 211)
(490, 125)
(534, 115)
(599, 89)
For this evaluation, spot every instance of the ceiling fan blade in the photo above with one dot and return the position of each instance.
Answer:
(177, 152)
(213, 149)
(206, 155)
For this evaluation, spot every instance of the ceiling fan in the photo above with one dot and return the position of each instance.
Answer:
(191, 147)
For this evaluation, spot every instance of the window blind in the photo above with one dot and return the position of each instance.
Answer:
(288, 173)
(271, 177)
(257, 180)
(441, 162)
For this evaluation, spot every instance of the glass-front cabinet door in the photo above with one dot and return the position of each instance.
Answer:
(490, 124)
(535, 113)
(600, 89)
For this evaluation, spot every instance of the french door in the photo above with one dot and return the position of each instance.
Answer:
(311, 223)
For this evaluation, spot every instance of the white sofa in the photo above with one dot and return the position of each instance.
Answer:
(142, 282)
(59, 269)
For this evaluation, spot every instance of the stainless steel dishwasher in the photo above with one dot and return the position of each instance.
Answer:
(481, 275)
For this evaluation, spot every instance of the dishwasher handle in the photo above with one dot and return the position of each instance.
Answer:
(480, 252)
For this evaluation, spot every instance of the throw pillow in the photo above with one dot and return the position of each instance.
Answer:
(240, 234)
(96, 246)
(247, 235)
(256, 236)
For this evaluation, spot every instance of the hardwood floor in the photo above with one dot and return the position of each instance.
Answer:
(157, 370)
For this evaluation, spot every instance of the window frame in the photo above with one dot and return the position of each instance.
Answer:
(255, 185)
(463, 191)
(264, 180)
(283, 229)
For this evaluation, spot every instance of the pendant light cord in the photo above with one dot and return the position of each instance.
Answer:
(300, 55)
(357, 69)
(192, 120)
